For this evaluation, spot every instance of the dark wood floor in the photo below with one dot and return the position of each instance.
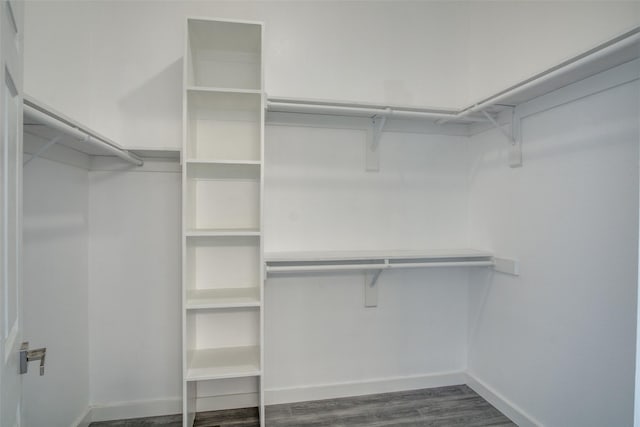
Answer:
(454, 406)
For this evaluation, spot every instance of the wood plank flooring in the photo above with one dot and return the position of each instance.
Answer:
(454, 406)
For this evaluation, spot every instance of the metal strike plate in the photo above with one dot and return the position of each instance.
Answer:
(27, 356)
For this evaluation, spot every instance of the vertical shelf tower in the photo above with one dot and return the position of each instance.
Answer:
(222, 191)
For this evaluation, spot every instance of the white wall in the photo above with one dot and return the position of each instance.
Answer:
(320, 339)
(125, 80)
(134, 291)
(117, 66)
(510, 41)
(56, 297)
(558, 341)
(318, 195)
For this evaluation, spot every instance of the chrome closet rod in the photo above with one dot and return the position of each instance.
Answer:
(628, 39)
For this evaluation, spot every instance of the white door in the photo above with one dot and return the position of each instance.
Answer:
(10, 210)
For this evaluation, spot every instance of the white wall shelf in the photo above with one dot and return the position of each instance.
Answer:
(222, 298)
(219, 232)
(292, 262)
(221, 90)
(373, 263)
(220, 363)
(224, 162)
(48, 126)
(607, 55)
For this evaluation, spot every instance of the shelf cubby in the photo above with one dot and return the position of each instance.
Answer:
(224, 125)
(222, 343)
(222, 272)
(223, 197)
(220, 363)
(224, 54)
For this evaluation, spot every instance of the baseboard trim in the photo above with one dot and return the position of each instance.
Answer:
(137, 409)
(84, 419)
(504, 405)
(359, 388)
(153, 408)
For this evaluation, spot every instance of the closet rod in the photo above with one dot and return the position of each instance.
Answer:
(284, 105)
(329, 267)
(624, 41)
(49, 119)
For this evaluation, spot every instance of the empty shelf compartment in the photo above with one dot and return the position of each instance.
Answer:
(374, 260)
(223, 197)
(219, 363)
(224, 125)
(224, 54)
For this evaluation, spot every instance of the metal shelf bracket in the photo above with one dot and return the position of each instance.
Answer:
(371, 285)
(372, 154)
(513, 137)
(42, 149)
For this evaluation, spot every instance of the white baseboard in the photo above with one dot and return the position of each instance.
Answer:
(511, 410)
(137, 409)
(360, 388)
(152, 408)
(84, 419)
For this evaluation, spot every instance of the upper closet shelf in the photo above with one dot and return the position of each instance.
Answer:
(607, 55)
(610, 54)
(53, 127)
(332, 108)
(382, 260)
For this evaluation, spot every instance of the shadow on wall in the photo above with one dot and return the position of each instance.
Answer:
(152, 113)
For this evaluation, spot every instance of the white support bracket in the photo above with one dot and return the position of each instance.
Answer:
(371, 288)
(506, 266)
(372, 154)
(513, 137)
(42, 149)
(371, 285)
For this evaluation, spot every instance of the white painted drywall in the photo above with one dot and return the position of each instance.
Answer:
(125, 70)
(318, 196)
(559, 340)
(117, 66)
(511, 41)
(56, 313)
(134, 290)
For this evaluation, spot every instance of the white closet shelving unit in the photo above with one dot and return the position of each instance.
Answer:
(223, 174)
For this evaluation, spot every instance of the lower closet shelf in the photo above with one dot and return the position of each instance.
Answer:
(292, 262)
(219, 363)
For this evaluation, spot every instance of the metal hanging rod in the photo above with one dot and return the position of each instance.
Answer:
(629, 40)
(628, 44)
(288, 105)
(40, 115)
(365, 267)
